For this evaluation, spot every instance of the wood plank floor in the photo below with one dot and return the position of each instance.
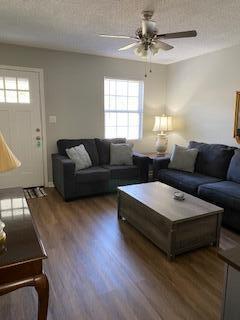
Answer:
(102, 269)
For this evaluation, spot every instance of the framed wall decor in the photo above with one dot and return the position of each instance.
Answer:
(236, 131)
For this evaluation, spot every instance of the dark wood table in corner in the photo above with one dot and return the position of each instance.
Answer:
(22, 254)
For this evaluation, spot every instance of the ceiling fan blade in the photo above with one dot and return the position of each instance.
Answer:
(129, 46)
(162, 45)
(175, 35)
(117, 37)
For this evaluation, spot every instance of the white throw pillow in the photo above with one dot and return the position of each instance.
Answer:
(183, 159)
(80, 157)
(120, 154)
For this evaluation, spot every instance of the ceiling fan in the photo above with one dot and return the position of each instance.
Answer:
(147, 39)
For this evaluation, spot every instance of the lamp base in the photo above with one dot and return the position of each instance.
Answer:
(2, 233)
(161, 143)
(2, 236)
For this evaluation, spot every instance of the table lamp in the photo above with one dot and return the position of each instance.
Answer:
(8, 161)
(162, 125)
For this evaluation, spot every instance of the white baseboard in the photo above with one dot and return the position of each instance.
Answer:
(50, 184)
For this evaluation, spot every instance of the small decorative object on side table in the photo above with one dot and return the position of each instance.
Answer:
(162, 125)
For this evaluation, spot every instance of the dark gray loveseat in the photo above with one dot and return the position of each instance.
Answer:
(216, 178)
(101, 177)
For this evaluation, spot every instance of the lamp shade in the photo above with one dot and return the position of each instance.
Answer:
(8, 161)
(163, 123)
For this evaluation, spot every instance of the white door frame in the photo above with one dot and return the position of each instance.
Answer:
(42, 112)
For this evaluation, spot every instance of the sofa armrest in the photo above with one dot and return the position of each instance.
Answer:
(158, 164)
(142, 162)
(63, 173)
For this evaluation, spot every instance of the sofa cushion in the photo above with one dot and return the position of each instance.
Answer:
(185, 181)
(213, 159)
(121, 154)
(234, 168)
(89, 145)
(123, 172)
(224, 193)
(92, 174)
(103, 148)
(80, 157)
(183, 158)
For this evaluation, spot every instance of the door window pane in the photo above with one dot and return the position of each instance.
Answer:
(11, 96)
(23, 84)
(10, 83)
(1, 83)
(2, 98)
(23, 97)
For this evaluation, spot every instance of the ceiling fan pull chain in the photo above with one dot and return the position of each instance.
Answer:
(145, 68)
(150, 64)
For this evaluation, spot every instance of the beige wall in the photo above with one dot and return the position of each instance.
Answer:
(74, 91)
(199, 92)
(201, 95)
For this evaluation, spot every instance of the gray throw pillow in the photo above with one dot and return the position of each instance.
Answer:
(120, 154)
(183, 159)
(80, 157)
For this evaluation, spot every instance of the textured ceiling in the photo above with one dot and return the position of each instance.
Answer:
(73, 25)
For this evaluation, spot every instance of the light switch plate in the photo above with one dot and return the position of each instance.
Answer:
(52, 119)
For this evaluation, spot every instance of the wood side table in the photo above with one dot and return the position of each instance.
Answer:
(22, 253)
(152, 156)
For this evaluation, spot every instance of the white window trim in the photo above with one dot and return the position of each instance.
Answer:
(140, 111)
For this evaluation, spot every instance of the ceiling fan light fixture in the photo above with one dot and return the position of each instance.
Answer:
(154, 49)
(141, 51)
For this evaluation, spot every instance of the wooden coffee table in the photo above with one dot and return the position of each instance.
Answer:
(174, 226)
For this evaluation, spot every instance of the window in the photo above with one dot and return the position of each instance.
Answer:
(14, 90)
(123, 106)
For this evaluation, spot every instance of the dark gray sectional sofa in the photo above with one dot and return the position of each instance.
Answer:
(216, 178)
(101, 177)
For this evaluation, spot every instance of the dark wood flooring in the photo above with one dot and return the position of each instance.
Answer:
(100, 269)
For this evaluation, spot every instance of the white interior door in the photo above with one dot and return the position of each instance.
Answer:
(20, 123)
